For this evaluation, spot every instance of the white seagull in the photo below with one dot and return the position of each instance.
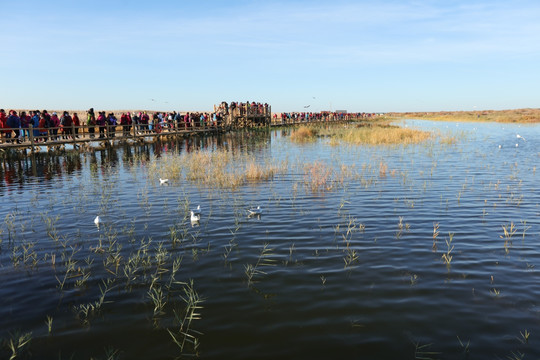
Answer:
(97, 221)
(195, 217)
(521, 137)
(163, 181)
(255, 211)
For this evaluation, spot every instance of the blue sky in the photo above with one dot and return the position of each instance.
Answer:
(372, 56)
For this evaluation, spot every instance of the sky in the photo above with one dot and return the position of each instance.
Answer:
(372, 56)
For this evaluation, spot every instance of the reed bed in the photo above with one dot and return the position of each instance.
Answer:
(221, 168)
(378, 135)
(304, 134)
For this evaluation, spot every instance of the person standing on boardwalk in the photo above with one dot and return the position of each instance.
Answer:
(55, 124)
(46, 117)
(25, 121)
(66, 122)
(102, 123)
(145, 119)
(125, 124)
(14, 123)
(91, 122)
(76, 124)
(112, 122)
(3, 122)
(35, 124)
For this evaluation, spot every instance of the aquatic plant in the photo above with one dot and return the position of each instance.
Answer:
(421, 352)
(263, 260)
(304, 134)
(49, 322)
(435, 236)
(525, 334)
(18, 343)
(447, 256)
(378, 134)
(509, 231)
(185, 334)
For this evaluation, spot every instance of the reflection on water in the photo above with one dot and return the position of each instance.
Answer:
(424, 251)
(48, 166)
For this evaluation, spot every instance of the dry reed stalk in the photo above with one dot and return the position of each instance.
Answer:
(303, 134)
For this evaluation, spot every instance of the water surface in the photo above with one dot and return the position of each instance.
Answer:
(354, 271)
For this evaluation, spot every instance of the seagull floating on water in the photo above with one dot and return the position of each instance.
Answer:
(521, 137)
(255, 211)
(163, 181)
(195, 217)
(97, 221)
(500, 146)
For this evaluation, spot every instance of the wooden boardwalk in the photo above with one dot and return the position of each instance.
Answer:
(83, 138)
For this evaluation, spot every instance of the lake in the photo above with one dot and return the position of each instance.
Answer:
(395, 252)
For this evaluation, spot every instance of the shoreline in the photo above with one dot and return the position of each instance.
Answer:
(524, 116)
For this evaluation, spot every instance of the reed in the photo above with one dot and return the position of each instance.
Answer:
(158, 298)
(263, 260)
(220, 168)
(422, 352)
(435, 236)
(304, 134)
(318, 176)
(18, 343)
(49, 323)
(447, 256)
(509, 231)
(516, 356)
(464, 346)
(525, 334)
(185, 334)
(378, 134)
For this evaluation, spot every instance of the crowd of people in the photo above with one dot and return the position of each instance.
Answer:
(44, 126)
(16, 127)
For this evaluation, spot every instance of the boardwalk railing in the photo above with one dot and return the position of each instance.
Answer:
(31, 137)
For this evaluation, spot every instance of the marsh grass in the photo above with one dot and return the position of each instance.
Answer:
(304, 134)
(376, 134)
(220, 168)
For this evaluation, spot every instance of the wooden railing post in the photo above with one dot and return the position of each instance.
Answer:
(31, 136)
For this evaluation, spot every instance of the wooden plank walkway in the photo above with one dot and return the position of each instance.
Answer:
(133, 134)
